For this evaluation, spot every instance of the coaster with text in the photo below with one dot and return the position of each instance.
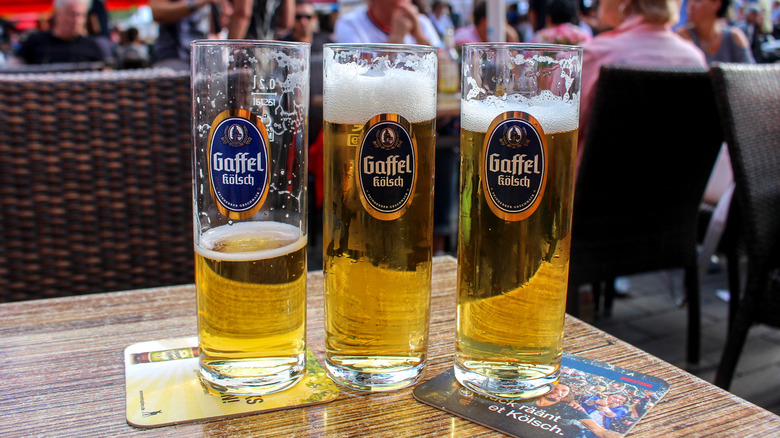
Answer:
(163, 388)
(592, 399)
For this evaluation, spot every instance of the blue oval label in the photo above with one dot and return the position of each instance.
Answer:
(387, 166)
(514, 165)
(238, 163)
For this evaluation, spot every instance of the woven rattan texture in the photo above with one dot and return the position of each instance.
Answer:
(749, 103)
(652, 141)
(95, 183)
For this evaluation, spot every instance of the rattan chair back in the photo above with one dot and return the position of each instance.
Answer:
(651, 144)
(748, 97)
(95, 182)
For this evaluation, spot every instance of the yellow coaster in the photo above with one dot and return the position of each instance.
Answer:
(163, 388)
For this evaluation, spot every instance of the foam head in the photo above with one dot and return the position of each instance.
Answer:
(356, 91)
(252, 240)
(554, 114)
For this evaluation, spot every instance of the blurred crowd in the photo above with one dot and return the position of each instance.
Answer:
(81, 31)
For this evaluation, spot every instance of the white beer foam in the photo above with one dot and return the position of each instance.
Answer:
(353, 95)
(265, 229)
(553, 114)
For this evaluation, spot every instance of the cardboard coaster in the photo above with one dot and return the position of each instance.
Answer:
(592, 399)
(163, 388)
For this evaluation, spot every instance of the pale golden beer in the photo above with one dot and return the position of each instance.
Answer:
(250, 104)
(512, 275)
(378, 272)
(513, 250)
(251, 288)
(377, 252)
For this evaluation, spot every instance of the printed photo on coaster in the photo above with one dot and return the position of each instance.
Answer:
(592, 399)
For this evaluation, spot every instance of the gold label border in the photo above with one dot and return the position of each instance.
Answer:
(528, 211)
(361, 193)
(244, 114)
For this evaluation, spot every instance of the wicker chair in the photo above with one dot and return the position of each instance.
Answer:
(748, 97)
(57, 67)
(651, 145)
(95, 182)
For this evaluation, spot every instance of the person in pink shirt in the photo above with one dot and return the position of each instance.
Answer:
(560, 29)
(641, 35)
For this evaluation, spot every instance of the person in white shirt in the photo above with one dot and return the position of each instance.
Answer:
(387, 21)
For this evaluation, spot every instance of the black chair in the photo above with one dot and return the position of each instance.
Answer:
(95, 182)
(650, 147)
(748, 97)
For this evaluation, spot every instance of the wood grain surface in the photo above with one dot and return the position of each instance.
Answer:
(62, 374)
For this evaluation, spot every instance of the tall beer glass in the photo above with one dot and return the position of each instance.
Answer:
(250, 105)
(379, 111)
(519, 117)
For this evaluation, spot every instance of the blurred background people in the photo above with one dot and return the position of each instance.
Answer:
(97, 18)
(8, 36)
(537, 13)
(131, 52)
(103, 38)
(305, 28)
(477, 31)
(261, 19)
(386, 21)
(641, 35)
(66, 41)
(775, 18)
(181, 22)
(562, 27)
(441, 17)
(327, 21)
(708, 28)
(756, 29)
(517, 17)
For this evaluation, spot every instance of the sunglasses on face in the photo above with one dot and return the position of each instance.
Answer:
(301, 16)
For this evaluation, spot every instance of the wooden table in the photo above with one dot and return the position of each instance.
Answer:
(62, 373)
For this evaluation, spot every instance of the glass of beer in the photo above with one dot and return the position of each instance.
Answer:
(379, 110)
(250, 107)
(519, 120)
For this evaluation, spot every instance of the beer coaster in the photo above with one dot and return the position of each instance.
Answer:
(591, 398)
(163, 388)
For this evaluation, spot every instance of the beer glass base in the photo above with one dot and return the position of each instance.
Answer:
(250, 377)
(525, 388)
(366, 375)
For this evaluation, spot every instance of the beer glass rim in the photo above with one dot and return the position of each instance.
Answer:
(531, 47)
(250, 43)
(381, 47)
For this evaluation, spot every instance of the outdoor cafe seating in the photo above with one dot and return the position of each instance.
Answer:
(96, 196)
(95, 182)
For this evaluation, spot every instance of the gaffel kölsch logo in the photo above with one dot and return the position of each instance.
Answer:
(514, 165)
(238, 163)
(387, 138)
(236, 135)
(515, 136)
(386, 160)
